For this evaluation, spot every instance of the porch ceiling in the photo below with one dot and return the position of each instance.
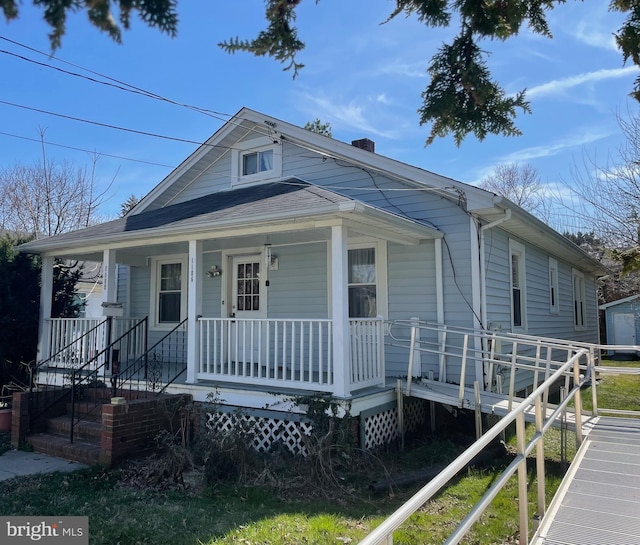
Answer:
(278, 207)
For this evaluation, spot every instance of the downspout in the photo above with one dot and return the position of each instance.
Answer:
(483, 280)
(483, 267)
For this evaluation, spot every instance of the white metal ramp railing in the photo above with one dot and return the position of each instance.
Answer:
(448, 348)
(480, 362)
(383, 534)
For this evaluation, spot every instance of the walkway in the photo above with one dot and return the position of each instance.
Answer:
(17, 463)
(598, 502)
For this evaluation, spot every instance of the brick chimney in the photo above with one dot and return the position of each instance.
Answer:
(365, 144)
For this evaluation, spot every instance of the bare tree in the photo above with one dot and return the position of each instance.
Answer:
(521, 185)
(49, 197)
(45, 199)
(605, 198)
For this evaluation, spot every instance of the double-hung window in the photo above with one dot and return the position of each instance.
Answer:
(362, 279)
(168, 288)
(518, 285)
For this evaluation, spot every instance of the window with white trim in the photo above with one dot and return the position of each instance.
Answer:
(362, 283)
(517, 279)
(554, 304)
(579, 300)
(168, 291)
(255, 160)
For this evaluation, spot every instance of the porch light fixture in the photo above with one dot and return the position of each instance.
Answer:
(271, 261)
(214, 271)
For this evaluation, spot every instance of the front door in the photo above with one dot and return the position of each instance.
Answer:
(247, 304)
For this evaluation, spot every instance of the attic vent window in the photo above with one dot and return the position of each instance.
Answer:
(256, 162)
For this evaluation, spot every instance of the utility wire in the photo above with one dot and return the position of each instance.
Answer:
(119, 84)
(108, 125)
(94, 152)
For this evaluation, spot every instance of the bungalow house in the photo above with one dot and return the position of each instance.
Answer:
(273, 261)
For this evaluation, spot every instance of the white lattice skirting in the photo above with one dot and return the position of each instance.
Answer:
(382, 428)
(263, 431)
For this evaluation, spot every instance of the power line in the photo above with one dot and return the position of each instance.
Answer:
(85, 150)
(107, 125)
(118, 84)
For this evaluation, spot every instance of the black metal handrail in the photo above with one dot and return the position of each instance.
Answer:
(82, 377)
(149, 368)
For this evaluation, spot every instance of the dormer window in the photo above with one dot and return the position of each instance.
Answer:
(256, 160)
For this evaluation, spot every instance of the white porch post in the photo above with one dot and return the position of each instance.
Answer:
(46, 293)
(340, 312)
(109, 288)
(194, 307)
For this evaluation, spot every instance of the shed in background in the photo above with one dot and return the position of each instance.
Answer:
(622, 318)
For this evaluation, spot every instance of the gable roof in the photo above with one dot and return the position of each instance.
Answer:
(282, 201)
(248, 121)
(487, 207)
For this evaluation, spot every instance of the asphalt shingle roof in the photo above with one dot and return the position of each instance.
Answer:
(245, 203)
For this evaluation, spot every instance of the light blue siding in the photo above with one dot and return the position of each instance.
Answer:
(540, 320)
(212, 286)
(411, 294)
(214, 178)
(299, 288)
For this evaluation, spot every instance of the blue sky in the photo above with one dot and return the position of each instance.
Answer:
(363, 77)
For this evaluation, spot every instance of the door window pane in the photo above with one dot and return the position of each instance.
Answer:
(248, 286)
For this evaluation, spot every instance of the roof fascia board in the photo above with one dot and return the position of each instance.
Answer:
(577, 255)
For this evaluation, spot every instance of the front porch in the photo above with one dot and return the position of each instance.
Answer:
(270, 354)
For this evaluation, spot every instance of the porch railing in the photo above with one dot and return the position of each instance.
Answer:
(287, 352)
(72, 342)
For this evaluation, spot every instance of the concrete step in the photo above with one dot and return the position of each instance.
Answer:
(89, 431)
(56, 445)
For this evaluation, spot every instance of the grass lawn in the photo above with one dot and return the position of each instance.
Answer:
(615, 391)
(289, 510)
(281, 513)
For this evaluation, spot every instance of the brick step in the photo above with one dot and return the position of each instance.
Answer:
(89, 431)
(87, 410)
(56, 445)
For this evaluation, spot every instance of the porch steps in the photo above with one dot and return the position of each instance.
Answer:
(87, 435)
(57, 445)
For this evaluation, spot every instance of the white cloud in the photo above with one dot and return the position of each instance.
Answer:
(352, 115)
(527, 155)
(593, 36)
(581, 138)
(559, 86)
